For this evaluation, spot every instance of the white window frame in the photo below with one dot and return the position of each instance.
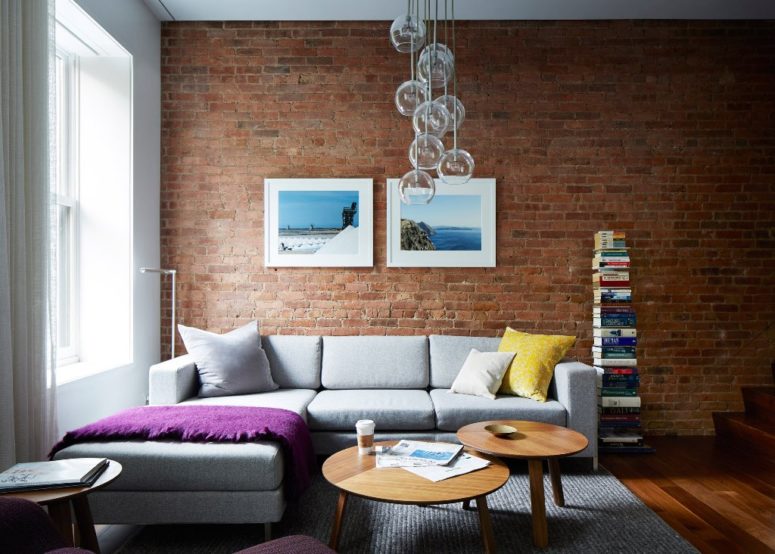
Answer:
(66, 198)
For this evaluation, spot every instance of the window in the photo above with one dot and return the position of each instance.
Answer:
(66, 198)
(92, 196)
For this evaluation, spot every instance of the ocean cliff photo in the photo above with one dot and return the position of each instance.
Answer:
(449, 222)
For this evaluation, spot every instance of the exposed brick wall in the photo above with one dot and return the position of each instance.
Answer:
(663, 129)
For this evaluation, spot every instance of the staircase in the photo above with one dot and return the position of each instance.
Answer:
(754, 428)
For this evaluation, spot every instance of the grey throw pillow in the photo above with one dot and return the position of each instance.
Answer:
(229, 364)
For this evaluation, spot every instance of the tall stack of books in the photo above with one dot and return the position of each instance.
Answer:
(614, 346)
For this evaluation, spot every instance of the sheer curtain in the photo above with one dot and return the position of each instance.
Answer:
(27, 384)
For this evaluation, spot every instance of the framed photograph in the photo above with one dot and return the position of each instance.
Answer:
(318, 222)
(455, 229)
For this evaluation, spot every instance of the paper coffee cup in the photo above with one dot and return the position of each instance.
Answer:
(364, 429)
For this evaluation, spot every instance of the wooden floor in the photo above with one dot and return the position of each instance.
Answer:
(720, 498)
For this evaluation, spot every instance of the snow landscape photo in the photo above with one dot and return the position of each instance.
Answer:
(318, 222)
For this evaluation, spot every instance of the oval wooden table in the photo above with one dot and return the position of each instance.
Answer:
(533, 442)
(358, 475)
(58, 503)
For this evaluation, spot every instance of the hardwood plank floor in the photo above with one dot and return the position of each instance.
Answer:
(721, 498)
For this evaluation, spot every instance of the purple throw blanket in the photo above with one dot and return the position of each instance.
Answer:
(210, 424)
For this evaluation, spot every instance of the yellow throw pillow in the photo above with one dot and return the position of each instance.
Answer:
(532, 368)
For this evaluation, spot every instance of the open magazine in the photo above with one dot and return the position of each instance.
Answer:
(465, 463)
(407, 453)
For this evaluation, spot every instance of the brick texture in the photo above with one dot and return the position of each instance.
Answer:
(663, 129)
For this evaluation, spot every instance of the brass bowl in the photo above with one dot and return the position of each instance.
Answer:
(500, 430)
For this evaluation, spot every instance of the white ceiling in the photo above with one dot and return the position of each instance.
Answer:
(385, 10)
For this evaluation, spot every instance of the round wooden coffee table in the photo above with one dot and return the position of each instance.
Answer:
(533, 442)
(358, 475)
(58, 502)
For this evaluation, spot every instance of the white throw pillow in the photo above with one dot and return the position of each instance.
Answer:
(482, 373)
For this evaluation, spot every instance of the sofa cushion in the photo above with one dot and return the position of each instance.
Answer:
(337, 410)
(532, 369)
(453, 411)
(482, 373)
(294, 360)
(449, 352)
(295, 400)
(366, 362)
(228, 364)
(188, 466)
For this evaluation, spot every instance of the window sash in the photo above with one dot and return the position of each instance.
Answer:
(66, 200)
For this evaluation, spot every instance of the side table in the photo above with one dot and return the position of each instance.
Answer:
(533, 442)
(59, 502)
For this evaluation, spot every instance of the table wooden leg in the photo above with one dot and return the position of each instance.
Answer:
(333, 543)
(85, 524)
(537, 503)
(467, 504)
(59, 512)
(486, 524)
(554, 473)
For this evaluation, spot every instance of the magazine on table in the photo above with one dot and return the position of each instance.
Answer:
(408, 453)
(465, 463)
(72, 472)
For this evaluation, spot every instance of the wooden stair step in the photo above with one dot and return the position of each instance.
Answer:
(753, 433)
(760, 403)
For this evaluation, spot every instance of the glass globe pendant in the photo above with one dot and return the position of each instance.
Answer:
(431, 118)
(425, 151)
(457, 112)
(437, 64)
(456, 166)
(409, 96)
(407, 33)
(416, 187)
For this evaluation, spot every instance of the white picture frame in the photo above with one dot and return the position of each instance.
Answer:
(303, 221)
(464, 206)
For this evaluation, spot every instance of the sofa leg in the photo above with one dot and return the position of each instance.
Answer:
(267, 532)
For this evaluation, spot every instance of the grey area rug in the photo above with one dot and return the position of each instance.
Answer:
(600, 515)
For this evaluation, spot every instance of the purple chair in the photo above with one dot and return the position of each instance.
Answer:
(292, 544)
(25, 528)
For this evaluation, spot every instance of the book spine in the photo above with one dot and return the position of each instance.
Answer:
(624, 401)
(610, 321)
(618, 410)
(615, 332)
(619, 370)
(618, 391)
(630, 350)
(615, 341)
(615, 380)
(614, 310)
(615, 362)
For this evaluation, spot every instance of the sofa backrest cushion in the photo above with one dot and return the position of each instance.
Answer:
(368, 362)
(448, 353)
(294, 360)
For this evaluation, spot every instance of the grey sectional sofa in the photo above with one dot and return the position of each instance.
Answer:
(402, 383)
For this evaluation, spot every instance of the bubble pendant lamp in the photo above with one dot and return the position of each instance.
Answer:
(436, 65)
(409, 96)
(425, 151)
(455, 108)
(407, 33)
(432, 118)
(456, 166)
(416, 187)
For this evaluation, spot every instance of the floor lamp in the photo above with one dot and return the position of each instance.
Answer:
(166, 272)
